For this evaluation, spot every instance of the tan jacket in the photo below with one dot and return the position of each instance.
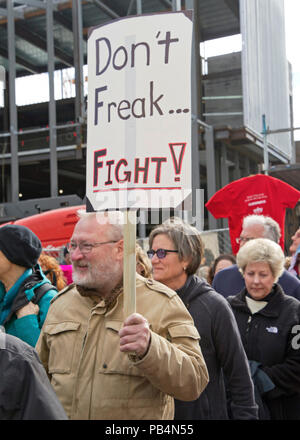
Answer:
(79, 347)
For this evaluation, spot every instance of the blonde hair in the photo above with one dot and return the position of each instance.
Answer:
(143, 264)
(262, 250)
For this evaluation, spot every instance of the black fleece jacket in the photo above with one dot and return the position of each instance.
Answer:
(223, 353)
(271, 337)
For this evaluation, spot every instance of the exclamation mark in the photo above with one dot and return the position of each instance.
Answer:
(177, 151)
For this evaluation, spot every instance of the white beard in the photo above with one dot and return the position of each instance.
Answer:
(98, 276)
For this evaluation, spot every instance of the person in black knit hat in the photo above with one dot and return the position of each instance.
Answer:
(25, 292)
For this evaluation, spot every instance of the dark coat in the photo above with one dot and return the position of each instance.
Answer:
(271, 338)
(223, 353)
(25, 390)
(230, 281)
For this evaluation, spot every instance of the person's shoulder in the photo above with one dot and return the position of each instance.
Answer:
(288, 299)
(290, 284)
(204, 292)
(237, 299)
(214, 298)
(289, 278)
(228, 281)
(156, 286)
(71, 288)
(16, 346)
(230, 271)
(216, 304)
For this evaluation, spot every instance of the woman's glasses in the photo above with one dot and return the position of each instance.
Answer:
(161, 253)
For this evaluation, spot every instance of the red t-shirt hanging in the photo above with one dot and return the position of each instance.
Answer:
(260, 194)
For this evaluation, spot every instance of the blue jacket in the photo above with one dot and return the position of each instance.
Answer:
(27, 288)
(230, 281)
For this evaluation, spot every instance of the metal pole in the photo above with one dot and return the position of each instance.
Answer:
(293, 146)
(237, 169)
(266, 156)
(12, 102)
(196, 84)
(176, 5)
(211, 171)
(52, 107)
(78, 64)
(139, 10)
(247, 166)
(224, 166)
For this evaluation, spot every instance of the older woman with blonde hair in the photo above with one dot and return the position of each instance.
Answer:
(268, 321)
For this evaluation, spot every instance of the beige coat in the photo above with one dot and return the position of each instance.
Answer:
(79, 348)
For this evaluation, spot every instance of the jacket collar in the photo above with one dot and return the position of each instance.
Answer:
(96, 298)
(272, 309)
(190, 283)
(193, 287)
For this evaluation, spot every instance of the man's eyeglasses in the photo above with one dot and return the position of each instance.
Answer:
(161, 253)
(86, 248)
(240, 240)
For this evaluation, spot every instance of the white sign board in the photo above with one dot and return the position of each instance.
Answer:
(139, 112)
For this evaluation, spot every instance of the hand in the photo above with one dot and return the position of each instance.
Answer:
(135, 335)
(29, 309)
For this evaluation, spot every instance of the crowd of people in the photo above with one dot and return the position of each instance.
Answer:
(215, 348)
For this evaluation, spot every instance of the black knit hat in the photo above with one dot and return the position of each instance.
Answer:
(20, 245)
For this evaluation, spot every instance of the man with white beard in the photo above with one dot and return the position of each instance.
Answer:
(105, 366)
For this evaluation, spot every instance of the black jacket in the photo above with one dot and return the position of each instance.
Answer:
(223, 353)
(25, 390)
(271, 338)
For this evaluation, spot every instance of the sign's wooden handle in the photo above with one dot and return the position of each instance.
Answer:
(129, 262)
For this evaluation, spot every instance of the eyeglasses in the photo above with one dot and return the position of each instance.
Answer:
(86, 248)
(240, 240)
(161, 253)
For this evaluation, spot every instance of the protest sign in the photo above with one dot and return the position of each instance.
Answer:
(139, 121)
(139, 112)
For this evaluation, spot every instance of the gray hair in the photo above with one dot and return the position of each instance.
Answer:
(114, 218)
(186, 240)
(261, 250)
(271, 227)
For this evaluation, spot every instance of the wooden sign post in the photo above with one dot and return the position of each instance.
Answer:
(129, 262)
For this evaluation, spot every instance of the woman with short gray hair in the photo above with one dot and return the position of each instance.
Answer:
(268, 321)
(176, 251)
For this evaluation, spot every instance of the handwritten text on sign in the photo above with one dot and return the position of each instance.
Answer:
(139, 118)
